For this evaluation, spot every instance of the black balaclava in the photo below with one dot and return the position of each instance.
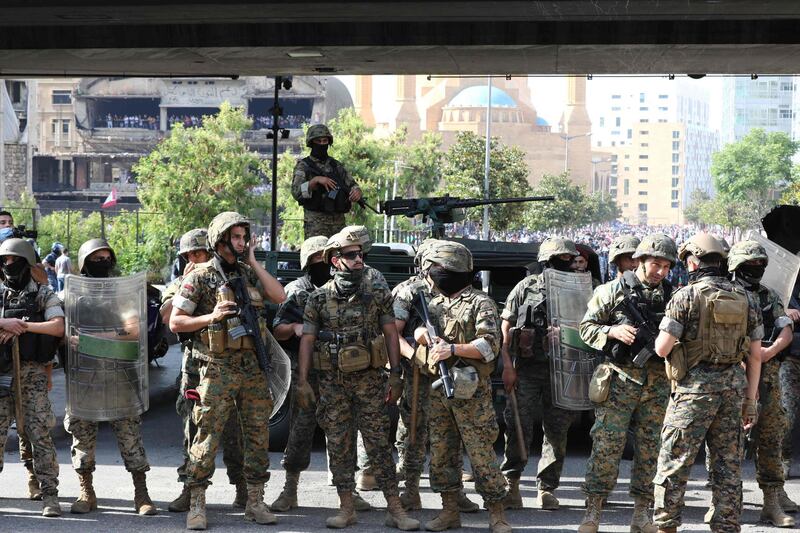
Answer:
(98, 269)
(319, 151)
(706, 271)
(750, 275)
(448, 281)
(559, 264)
(17, 274)
(319, 273)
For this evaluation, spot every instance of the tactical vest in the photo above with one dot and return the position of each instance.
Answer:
(28, 306)
(722, 326)
(527, 337)
(455, 333)
(335, 201)
(653, 311)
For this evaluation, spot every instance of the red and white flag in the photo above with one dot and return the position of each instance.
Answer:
(111, 200)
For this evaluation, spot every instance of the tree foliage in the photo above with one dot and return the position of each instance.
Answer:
(572, 206)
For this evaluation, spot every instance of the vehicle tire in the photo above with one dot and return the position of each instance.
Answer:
(279, 426)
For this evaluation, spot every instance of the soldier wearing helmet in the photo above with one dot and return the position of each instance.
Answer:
(96, 259)
(193, 248)
(322, 185)
(747, 261)
(710, 327)
(621, 251)
(348, 338)
(230, 374)
(526, 369)
(466, 323)
(32, 319)
(636, 402)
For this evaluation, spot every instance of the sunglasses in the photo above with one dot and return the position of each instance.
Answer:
(352, 255)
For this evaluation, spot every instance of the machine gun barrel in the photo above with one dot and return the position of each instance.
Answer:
(431, 207)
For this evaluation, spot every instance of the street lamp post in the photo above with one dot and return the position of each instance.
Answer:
(567, 139)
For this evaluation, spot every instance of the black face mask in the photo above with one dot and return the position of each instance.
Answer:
(99, 269)
(751, 274)
(450, 282)
(17, 274)
(710, 271)
(319, 273)
(561, 265)
(319, 151)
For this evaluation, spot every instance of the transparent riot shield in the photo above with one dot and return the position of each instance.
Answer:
(571, 360)
(107, 372)
(280, 377)
(782, 268)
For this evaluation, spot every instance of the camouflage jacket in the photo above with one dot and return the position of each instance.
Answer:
(472, 315)
(404, 295)
(530, 292)
(681, 320)
(303, 175)
(772, 311)
(297, 293)
(198, 295)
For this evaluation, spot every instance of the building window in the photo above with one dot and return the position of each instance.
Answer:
(627, 187)
(643, 109)
(627, 156)
(786, 86)
(65, 127)
(630, 133)
(643, 180)
(602, 121)
(676, 158)
(616, 96)
(674, 195)
(675, 182)
(675, 205)
(642, 193)
(644, 132)
(618, 121)
(643, 169)
(643, 207)
(641, 98)
(626, 169)
(663, 109)
(62, 97)
(644, 145)
(676, 170)
(54, 127)
(663, 96)
(676, 134)
(676, 145)
(785, 113)
(644, 156)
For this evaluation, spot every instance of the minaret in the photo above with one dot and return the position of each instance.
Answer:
(576, 127)
(406, 105)
(363, 103)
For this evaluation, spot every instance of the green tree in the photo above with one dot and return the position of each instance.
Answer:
(463, 176)
(572, 206)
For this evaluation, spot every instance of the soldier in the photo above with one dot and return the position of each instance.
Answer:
(194, 249)
(709, 328)
(33, 319)
(229, 369)
(747, 261)
(790, 381)
(637, 396)
(323, 186)
(620, 253)
(96, 259)
(349, 335)
(529, 374)
(467, 341)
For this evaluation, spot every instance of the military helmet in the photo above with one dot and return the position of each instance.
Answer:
(57, 247)
(699, 245)
(316, 131)
(20, 248)
(340, 240)
(422, 250)
(725, 245)
(657, 245)
(451, 255)
(222, 223)
(90, 247)
(363, 235)
(624, 244)
(193, 240)
(745, 251)
(553, 246)
(311, 246)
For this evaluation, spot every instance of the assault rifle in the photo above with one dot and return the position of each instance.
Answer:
(445, 380)
(646, 332)
(444, 209)
(249, 317)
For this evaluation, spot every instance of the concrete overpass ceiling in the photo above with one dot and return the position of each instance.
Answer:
(183, 38)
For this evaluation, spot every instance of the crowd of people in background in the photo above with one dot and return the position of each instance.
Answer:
(151, 122)
(264, 122)
(148, 122)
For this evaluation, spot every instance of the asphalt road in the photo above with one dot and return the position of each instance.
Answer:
(318, 500)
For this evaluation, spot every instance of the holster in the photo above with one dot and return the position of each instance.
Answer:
(354, 357)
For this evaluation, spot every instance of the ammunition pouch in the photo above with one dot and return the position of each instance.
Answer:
(354, 357)
(522, 342)
(465, 381)
(379, 353)
(677, 362)
(215, 337)
(600, 383)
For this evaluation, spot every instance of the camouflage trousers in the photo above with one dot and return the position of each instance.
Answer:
(228, 384)
(84, 442)
(356, 401)
(690, 418)
(232, 454)
(640, 408)
(38, 421)
(534, 398)
(770, 430)
(317, 223)
(302, 425)
(790, 398)
(473, 423)
(412, 457)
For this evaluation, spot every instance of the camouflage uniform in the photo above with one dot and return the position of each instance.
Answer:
(84, 442)
(790, 386)
(318, 222)
(705, 404)
(637, 399)
(534, 397)
(229, 381)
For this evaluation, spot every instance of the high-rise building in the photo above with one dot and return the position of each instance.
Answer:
(765, 102)
(661, 142)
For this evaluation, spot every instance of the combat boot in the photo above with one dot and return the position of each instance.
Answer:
(196, 517)
(256, 510)
(396, 516)
(346, 515)
(141, 499)
(288, 497)
(367, 482)
(410, 497)
(449, 517)
(360, 504)
(34, 490)
(771, 511)
(787, 504)
(591, 518)
(50, 506)
(513, 499)
(547, 501)
(497, 518)
(181, 503)
(240, 500)
(465, 505)
(87, 501)
(641, 521)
